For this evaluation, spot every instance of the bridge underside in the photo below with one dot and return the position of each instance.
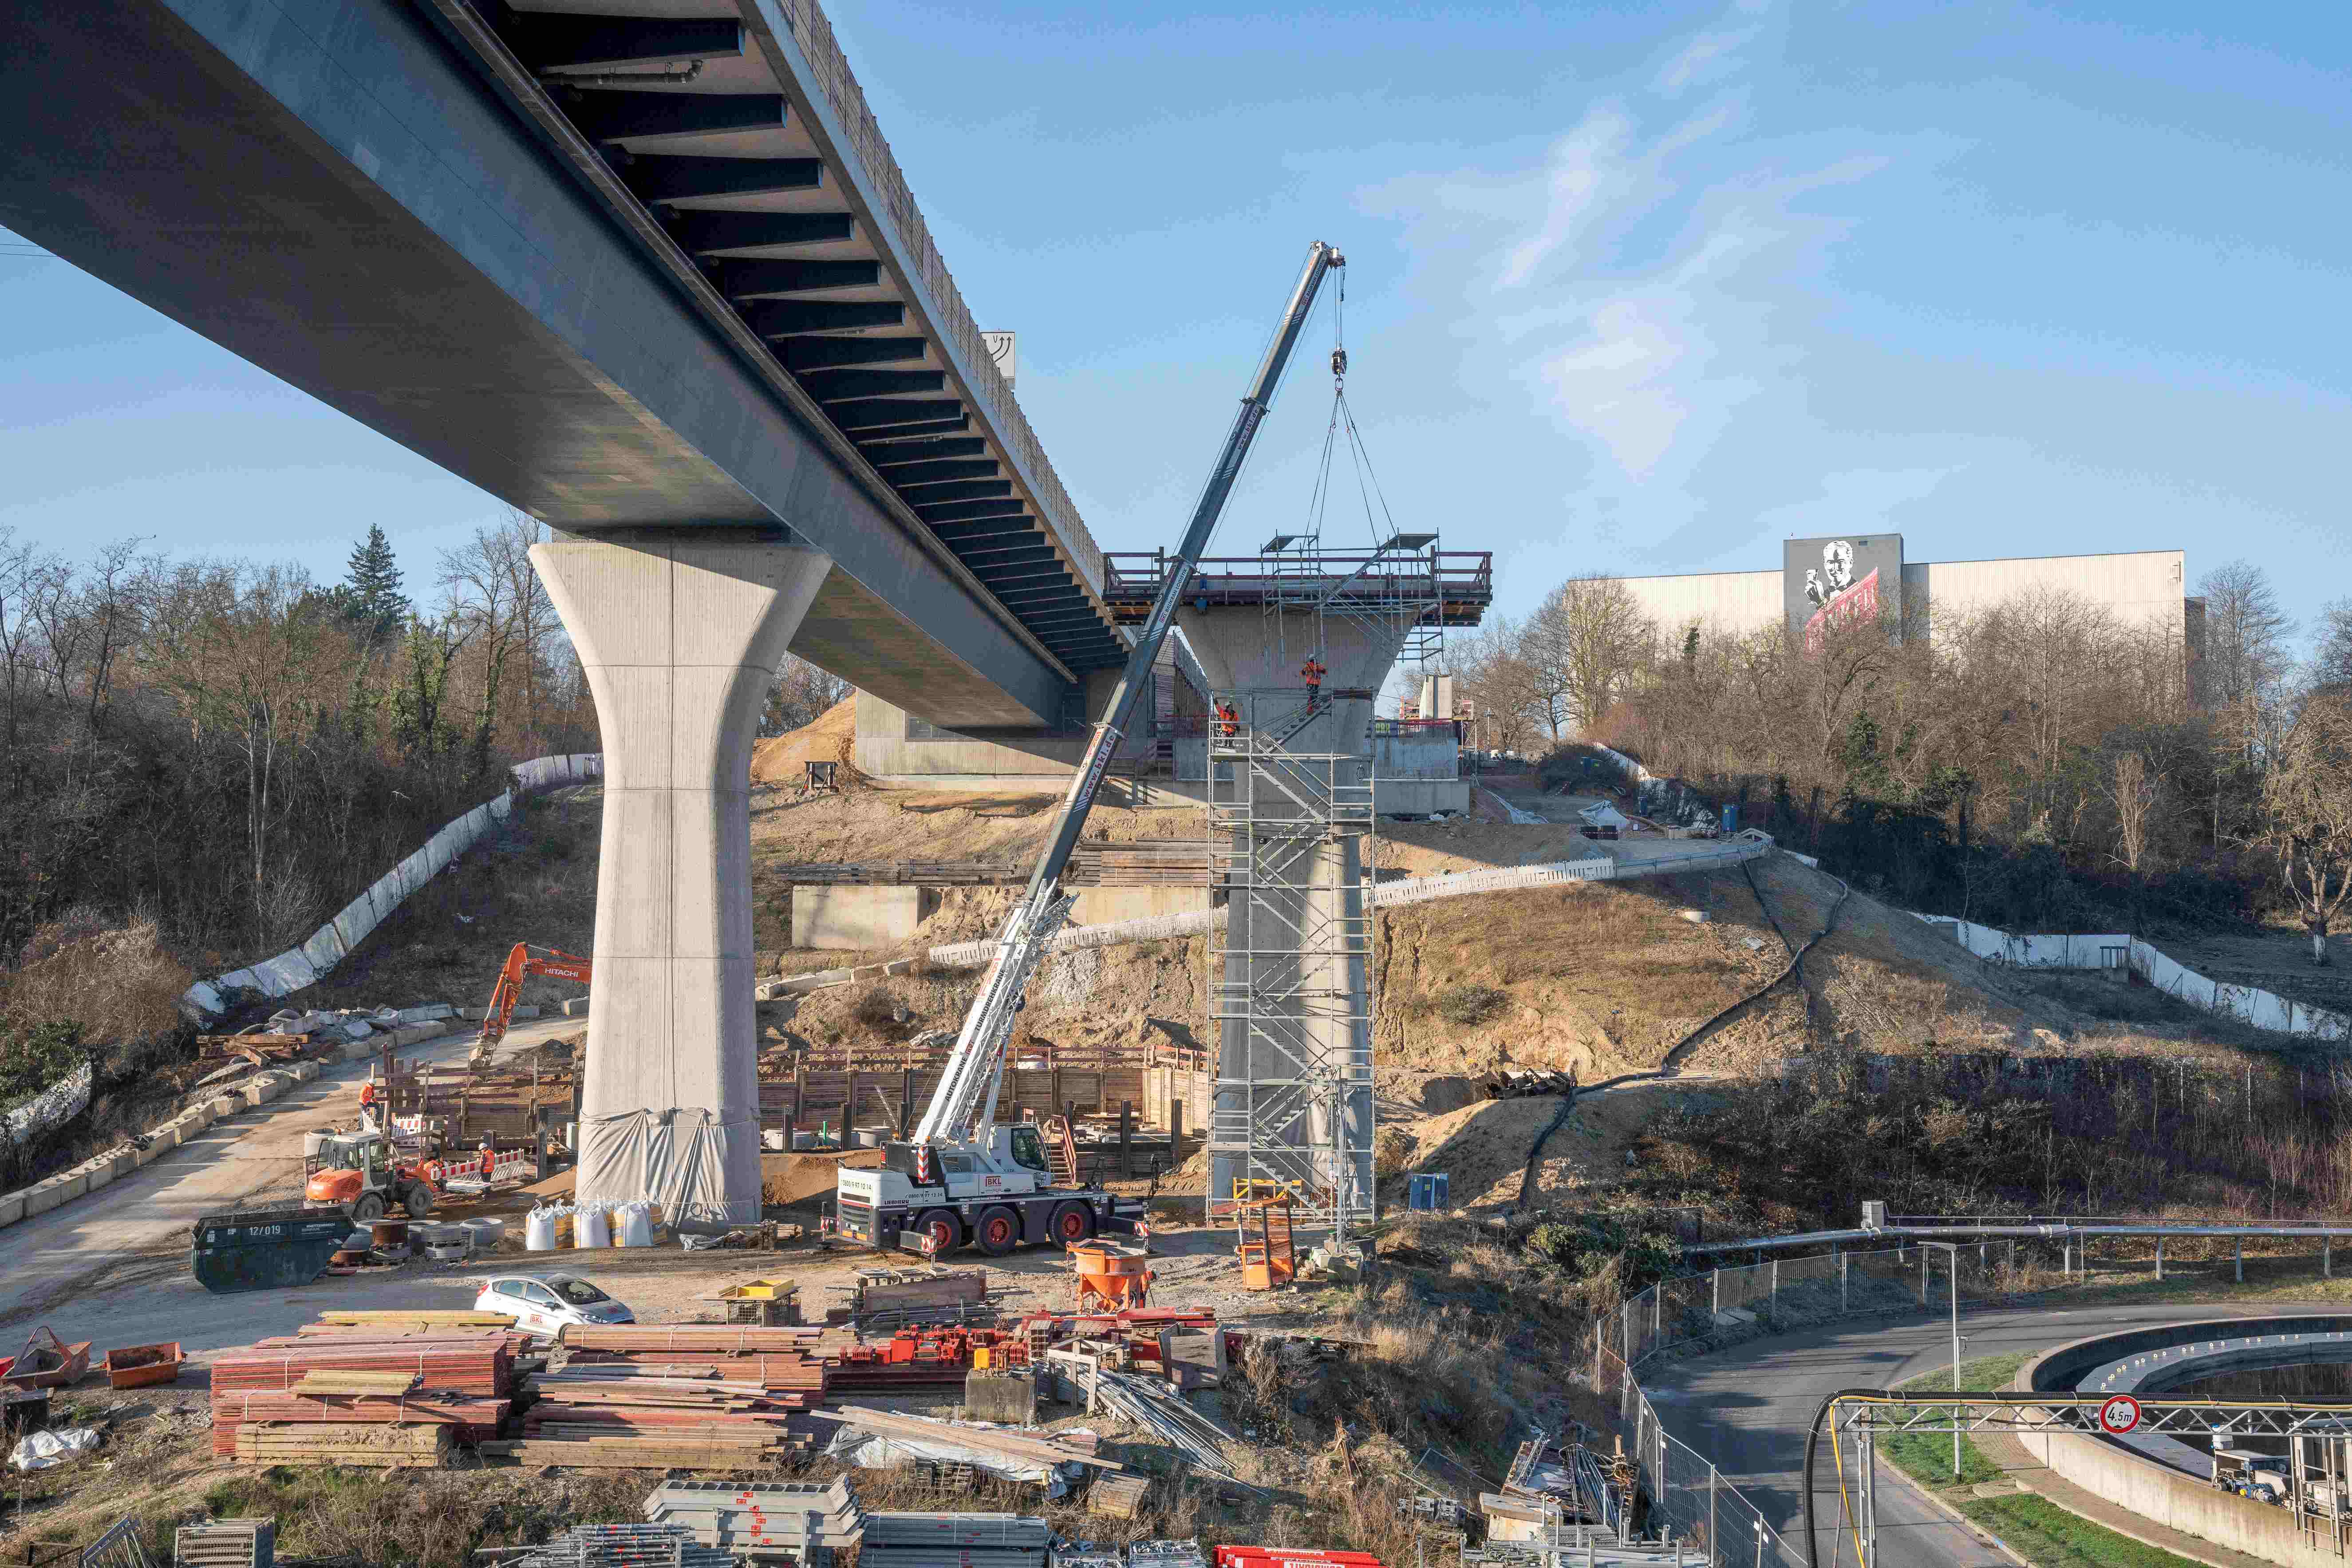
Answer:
(331, 192)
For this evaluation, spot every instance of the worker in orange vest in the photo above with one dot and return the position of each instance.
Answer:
(367, 1095)
(1312, 672)
(1228, 721)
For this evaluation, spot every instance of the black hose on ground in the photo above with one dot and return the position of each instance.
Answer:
(1812, 1442)
(1672, 1065)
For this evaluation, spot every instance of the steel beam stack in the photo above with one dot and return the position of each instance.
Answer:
(954, 1541)
(799, 1522)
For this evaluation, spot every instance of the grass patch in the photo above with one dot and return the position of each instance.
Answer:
(2050, 1537)
(2043, 1533)
(1926, 1456)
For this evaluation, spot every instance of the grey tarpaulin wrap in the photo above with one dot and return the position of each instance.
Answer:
(676, 1158)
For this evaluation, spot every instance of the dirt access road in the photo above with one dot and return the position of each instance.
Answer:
(113, 1268)
(130, 1240)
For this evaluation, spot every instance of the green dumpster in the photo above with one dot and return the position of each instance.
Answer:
(262, 1249)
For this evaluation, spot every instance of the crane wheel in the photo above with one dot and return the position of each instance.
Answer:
(368, 1207)
(940, 1226)
(1072, 1225)
(419, 1202)
(997, 1232)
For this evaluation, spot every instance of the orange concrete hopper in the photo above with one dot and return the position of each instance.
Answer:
(1111, 1276)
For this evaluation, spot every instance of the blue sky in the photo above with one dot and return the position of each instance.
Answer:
(1632, 288)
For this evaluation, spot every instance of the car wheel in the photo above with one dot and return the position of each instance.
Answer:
(368, 1207)
(1072, 1225)
(997, 1232)
(943, 1228)
(419, 1202)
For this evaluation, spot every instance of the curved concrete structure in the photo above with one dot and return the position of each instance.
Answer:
(2163, 1480)
(680, 635)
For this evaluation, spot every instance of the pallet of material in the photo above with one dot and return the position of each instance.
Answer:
(632, 1453)
(449, 1317)
(226, 1543)
(475, 1362)
(763, 1519)
(468, 1420)
(802, 1374)
(1120, 1496)
(332, 1443)
(988, 1439)
(694, 1340)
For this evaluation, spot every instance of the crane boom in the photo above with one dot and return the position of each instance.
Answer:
(965, 1104)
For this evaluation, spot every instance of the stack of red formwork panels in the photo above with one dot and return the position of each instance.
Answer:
(464, 1380)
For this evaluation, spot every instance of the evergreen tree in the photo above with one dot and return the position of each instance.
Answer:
(370, 587)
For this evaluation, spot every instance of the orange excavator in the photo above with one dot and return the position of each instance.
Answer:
(524, 961)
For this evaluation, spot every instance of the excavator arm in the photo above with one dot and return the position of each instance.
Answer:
(964, 1106)
(522, 960)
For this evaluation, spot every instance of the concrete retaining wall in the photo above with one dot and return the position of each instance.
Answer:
(2116, 950)
(852, 916)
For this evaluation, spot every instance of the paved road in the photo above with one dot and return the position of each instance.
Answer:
(113, 1267)
(1747, 1408)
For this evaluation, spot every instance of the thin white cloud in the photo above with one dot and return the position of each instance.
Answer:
(1655, 278)
(1704, 59)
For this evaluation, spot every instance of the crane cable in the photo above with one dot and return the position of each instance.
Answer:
(1343, 421)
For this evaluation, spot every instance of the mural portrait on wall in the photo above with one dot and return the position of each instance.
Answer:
(1855, 580)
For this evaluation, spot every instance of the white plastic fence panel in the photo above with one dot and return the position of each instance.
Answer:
(324, 950)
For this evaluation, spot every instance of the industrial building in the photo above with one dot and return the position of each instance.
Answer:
(1816, 577)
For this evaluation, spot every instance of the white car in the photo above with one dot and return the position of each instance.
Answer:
(542, 1304)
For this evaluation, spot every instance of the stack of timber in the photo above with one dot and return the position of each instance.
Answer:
(342, 1443)
(460, 1382)
(391, 1322)
(1140, 863)
(799, 1522)
(953, 1541)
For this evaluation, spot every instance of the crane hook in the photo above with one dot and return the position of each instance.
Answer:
(1338, 362)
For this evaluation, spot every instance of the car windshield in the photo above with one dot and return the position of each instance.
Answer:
(579, 1292)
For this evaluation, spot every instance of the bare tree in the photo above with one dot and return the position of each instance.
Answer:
(2332, 660)
(505, 613)
(2136, 791)
(1583, 648)
(1491, 676)
(2307, 813)
(2245, 648)
(801, 695)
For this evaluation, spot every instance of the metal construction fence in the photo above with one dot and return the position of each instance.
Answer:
(1689, 1501)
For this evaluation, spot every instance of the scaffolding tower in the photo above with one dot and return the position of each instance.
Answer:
(1290, 835)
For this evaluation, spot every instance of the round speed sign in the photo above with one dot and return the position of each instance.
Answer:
(2119, 1415)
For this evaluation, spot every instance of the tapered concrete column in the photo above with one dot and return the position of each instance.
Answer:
(681, 637)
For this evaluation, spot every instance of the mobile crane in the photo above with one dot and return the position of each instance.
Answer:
(962, 1178)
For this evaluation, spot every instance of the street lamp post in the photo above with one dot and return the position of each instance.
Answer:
(1951, 1251)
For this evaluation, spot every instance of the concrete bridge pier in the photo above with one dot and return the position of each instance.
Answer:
(680, 631)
